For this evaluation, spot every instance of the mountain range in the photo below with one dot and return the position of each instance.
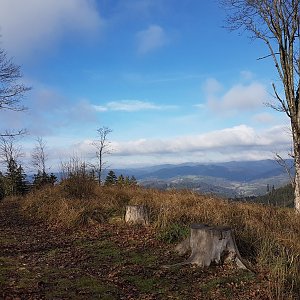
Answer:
(229, 179)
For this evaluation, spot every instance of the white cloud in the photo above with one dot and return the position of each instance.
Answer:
(31, 25)
(99, 108)
(237, 138)
(152, 38)
(238, 98)
(212, 86)
(265, 118)
(236, 143)
(130, 106)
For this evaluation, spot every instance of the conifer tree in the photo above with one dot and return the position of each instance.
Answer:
(111, 178)
(15, 179)
(121, 180)
(42, 178)
(133, 180)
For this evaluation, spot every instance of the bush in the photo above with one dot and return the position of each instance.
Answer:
(78, 187)
(78, 180)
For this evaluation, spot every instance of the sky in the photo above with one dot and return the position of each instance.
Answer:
(171, 82)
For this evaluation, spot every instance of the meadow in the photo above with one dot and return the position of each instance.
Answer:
(267, 237)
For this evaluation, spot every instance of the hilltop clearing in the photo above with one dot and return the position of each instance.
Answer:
(69, 241)
(105, 262)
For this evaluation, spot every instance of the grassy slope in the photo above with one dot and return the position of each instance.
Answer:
(128, 260)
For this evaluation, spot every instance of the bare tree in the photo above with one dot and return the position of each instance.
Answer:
(288, 167)
(276, 23)
(9, 150)
(11, 91)
(39, 155)
(103, 148)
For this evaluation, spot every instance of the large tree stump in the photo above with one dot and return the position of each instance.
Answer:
(210, 245)
(137, 214)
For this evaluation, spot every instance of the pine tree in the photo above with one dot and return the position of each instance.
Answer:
(133, 180)
(127, 180)
(42, 178)
(121, 180)
(15, 179)
(111, 178)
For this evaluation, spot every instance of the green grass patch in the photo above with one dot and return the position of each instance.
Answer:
(105, 250)
(101, 251)
(173, 233)
(69, 284)
(144, 285)
(142, 258)
(225, 283)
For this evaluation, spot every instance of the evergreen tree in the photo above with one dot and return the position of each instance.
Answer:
(127, 180)
(15, 179)
(133, 180)
(111, 178)
(121, 180)
(42, 178)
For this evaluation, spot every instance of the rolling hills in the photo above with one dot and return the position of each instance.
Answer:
(229, 179)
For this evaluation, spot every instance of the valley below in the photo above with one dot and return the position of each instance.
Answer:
(230, 179)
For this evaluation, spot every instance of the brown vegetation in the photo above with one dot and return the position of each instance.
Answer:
(107, 261)
(268, 237)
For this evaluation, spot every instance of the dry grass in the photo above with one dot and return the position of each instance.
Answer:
(266, 236)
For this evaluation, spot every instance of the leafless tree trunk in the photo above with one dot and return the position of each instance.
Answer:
(277, 24)
(9, 150)
(287, 167)
(103, 148)
(39, 156)
(11, 91)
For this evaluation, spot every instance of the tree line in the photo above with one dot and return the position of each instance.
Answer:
(121, 180)
(13, 181)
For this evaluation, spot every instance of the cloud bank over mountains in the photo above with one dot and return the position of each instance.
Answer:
(243, 138)
(237, 143)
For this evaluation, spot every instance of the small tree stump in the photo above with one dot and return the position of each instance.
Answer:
(137, 214)
(210, 244)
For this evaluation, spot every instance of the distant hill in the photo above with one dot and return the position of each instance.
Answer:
(229, 179)
(234, 171)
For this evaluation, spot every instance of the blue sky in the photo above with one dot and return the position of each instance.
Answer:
(164, 75)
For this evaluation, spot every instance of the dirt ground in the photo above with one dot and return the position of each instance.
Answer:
(106, 261)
